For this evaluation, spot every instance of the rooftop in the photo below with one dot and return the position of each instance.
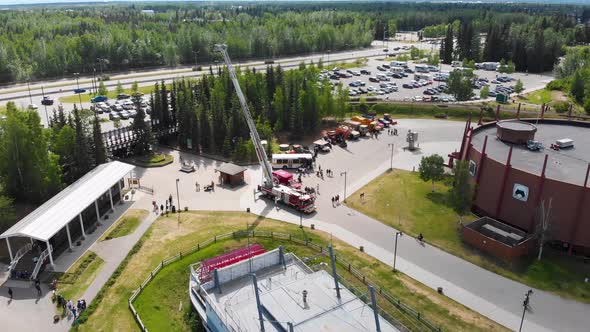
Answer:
(229, 168)
(281, 295)
(567, 165)
(54, 214)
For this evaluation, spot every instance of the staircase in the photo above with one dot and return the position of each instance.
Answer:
(25, 266)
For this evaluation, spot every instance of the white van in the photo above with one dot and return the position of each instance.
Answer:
(457, 64)
(565, 143)
(397, 69)
(398, 64)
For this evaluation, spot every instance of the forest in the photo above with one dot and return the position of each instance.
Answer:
(57, 41)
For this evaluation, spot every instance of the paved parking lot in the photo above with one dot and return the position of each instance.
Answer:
(530, 81)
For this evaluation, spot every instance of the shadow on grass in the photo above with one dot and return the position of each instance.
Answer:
(440, 198)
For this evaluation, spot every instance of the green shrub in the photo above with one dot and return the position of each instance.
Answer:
(561, 106)
(559, 85)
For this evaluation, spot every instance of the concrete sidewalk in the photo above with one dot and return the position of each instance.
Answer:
(113, 252)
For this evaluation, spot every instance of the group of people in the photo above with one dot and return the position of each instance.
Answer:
(69, 307)
(336, 200)
(392, 132)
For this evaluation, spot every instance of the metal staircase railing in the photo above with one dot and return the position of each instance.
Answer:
(19, 254)
(39, 264)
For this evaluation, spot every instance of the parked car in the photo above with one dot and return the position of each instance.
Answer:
(122, 96)
(373, 79)
(407, 86)
(381, 68)
(365, 72)
(114, 116)
(99, 99)
(417, 98)
(124, 115)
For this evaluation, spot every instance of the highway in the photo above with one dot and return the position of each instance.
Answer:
(20, 94)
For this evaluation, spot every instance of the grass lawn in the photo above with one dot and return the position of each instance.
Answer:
(159, 303)
(73, 99)
(74, 282)
(348, 65)
(413, 208)
(154, 160)
(126, 225)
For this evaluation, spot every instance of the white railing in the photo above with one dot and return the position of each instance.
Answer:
(42, 258)
(19, 254)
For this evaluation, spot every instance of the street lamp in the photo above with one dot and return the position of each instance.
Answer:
(196, 53)
(395, 249)
(30, 97)
(78, 88)
(178, 200)
(44, 104)
(525, 305)
(300, 219)
(344, 174)
(391, 161)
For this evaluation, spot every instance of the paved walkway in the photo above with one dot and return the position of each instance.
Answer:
(113, 252)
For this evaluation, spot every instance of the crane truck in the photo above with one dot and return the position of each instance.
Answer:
(278, 192)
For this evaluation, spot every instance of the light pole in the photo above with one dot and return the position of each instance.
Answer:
(391, 161)
(525, 305)
(44, 104)
(344, 174)
(395, 249)
(300, 219)
(30, 97)
(196, 53)
(78, 85)
(178, 200)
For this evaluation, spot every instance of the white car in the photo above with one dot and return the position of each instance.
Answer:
(33, 107)
(417, 99)
(124, 115)
(370, 88)
(380, 92)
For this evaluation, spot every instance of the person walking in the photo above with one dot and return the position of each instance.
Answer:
(170, 199)
(10, 293)
(317, 187)
(162, 208)
(333, 199)
(197, 186)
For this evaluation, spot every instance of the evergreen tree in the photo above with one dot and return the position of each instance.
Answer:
(577, 86)
(461, 191)
(102, 89)
(100, 154)
(120, 89)
(143, 134)
(81, 153)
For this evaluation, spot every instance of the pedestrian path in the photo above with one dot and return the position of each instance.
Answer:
(113, 252)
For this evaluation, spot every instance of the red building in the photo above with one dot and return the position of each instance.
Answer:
(512, 181)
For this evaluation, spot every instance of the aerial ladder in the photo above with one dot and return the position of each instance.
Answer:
(292, 197)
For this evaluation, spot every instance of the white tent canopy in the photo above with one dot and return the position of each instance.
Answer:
(53, 215)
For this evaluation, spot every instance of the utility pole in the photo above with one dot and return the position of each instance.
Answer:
(344, 174)
(525, 305)
(391, 161)
(94, 83)
(300, 219)
(395, 249)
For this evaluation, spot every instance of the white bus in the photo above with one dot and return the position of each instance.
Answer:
(292, 160)
(422, 69)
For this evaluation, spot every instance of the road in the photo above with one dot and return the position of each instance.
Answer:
(20, 94)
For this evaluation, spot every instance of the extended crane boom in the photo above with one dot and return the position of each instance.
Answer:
(260, 152)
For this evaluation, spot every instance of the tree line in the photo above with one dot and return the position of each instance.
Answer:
(533, 45)
(573, 76)
(37, 44)
(209, 116)
(58, 41)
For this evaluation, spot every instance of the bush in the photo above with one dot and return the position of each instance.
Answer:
(587, 105)
(559, 85)
(561, 106)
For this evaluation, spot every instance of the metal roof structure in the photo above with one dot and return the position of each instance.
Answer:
(566, 165)
(54, 214)
(281, 289)
(229, 168)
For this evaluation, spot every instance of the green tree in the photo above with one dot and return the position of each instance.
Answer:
(100, 154)
(431, 168)
(63, 146)
(447, 46)
(135, 87)
(587, 105)
(461, 192)
(460, 84)
(484, 92)
(577, 86)
(102, 89)
(29, 172)
(81, 153)
(518, 87)
(120, 88)
(142, 131)
(7, 212)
